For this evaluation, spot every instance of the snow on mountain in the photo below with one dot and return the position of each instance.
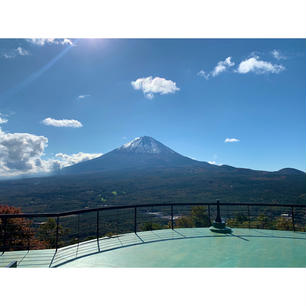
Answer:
(145, 144)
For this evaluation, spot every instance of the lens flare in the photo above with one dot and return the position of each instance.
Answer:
(31, 78)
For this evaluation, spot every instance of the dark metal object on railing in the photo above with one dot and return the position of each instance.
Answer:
(218, 218)
(12, 264)
(218, 225)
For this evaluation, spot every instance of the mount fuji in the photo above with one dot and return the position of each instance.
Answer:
(147, 154)
(141, 153)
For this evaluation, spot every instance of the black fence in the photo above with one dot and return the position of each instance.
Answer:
(53, 230)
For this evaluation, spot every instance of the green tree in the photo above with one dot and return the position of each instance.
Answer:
(150, 226)
(199, 216)
(240, 218)
(47, 233)
(184, 221)
(232, 222)
(282, 223)
(263, 221)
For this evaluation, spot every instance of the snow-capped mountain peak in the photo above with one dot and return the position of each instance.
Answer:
(145, 144)
(140, 153)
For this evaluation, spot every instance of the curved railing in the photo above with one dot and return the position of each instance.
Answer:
(52, 230)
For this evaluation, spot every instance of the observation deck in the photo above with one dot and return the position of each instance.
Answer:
(249, 244)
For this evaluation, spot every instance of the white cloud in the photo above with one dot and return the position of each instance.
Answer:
(62, 123)
(222, 66)
(19, 51)
(2, 119)
(68, 160)
(150, 86)
(149, 95)
(51, 41)
(253, 64)
(81, 97)
(22, 154)
(214, 163)
(67, 41)
(203, 74)
(8, 55)
(231, 140)
(277, 55)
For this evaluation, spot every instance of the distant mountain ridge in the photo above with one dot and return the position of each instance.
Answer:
(288, 171)
(144, 153)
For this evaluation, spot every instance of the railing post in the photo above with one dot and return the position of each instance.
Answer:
(135, 219)
(28, 246)
(56, 237)
(292, 218)
(172, 216)
(29, 235)
(209, 215)
(78, 228)
(98, 226)
(4, 234)
(249, 218)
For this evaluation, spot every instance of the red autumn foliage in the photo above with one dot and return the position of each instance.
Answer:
(17, 233)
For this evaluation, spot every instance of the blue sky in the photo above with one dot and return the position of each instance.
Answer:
(239, 102)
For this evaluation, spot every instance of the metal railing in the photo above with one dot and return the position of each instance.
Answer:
(53, 230)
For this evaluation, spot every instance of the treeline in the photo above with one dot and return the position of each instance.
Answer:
(56, 194)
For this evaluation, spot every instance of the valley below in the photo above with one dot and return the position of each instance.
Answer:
(174, 185)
